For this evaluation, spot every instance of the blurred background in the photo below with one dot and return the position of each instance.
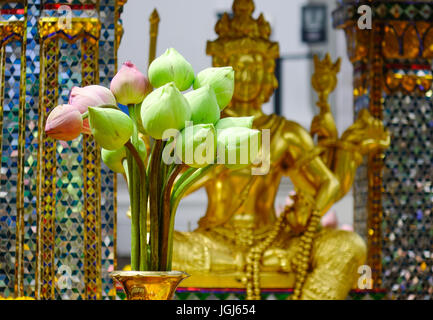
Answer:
(188, 24)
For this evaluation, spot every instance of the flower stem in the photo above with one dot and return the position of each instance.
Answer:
(138, 192)
(176, 196)
(135, 222)
(166, 217)
(154, 202)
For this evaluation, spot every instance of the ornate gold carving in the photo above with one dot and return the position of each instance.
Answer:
(92, 183)
(87, 30)
(244, 44)
(119, 27)
(11, 31)
(46, 192)
(394, 56)
(15, 31)
(154, 23)
(80, 28)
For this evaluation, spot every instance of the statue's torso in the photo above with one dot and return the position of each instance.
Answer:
(238, 200)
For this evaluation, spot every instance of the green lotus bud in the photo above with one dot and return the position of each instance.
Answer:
(204, 105)
(171, 67)
(111, 127)
(233, 122)
(222, 81)
(196, 145)
(114, 158)
(142, 150)
(238, 147)
(163, 109)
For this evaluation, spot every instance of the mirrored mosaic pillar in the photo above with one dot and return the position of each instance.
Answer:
(57, 200)
(393, 192)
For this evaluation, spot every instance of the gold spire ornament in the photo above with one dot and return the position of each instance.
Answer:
(244, 44)
(154, 26)
(241, 242)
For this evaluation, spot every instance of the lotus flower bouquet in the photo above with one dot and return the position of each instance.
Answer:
(188, 139)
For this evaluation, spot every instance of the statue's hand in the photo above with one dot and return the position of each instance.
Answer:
(324, 126)
(276, 260)
(300, 213)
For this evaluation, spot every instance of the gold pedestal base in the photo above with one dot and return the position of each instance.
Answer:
(236, 280)
(149, 285)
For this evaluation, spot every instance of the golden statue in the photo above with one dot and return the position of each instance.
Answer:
(241, 242)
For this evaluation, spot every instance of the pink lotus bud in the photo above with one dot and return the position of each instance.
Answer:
(90, 96)
(347, 227)
(129, 85)
(64, 123)
(330, 220)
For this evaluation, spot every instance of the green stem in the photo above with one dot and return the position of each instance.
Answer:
(135, 219)
(139, 122)
(154, 202)
(139, 193)
(126, 174)
(183, 177)
(174, 204)
(166, 217)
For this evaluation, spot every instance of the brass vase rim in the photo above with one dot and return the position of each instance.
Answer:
(149, 274)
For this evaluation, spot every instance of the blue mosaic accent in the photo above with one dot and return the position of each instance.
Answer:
(9, 167)
(31, 147)
(407, 246)
(69, 225)
(107, 66)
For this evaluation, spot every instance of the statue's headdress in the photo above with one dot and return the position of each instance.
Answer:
(243, 33)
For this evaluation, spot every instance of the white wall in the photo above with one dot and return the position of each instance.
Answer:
(186, 25)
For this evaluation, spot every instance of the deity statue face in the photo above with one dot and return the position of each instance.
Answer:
(249, 75)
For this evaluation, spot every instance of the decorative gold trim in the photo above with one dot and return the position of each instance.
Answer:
(50, 32)
(81, 28)
(19, 273)
(2, 90)
(11, 31)
(375, 162)
(46, 189)
(92, 184)
(154, 27)
(15, 31)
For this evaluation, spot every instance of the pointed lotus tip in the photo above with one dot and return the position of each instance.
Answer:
(154, 17)
(48, 128)
(129, 64)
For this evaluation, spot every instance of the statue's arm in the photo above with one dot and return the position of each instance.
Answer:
(308, 172)
(326, 186)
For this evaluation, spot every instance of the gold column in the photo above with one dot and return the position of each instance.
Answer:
(392, 66)
(46, 195)
(15, 31)
(87, 30)
(92, 183)
(375, 161)
(154, 26)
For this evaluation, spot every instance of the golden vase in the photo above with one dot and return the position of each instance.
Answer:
(149, 285)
